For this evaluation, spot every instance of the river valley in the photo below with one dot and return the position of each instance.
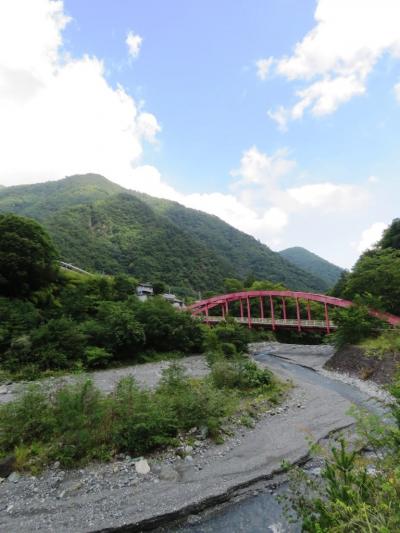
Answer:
(111, 497)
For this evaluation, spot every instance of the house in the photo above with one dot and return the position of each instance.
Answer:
(144, 291)
(173, 300)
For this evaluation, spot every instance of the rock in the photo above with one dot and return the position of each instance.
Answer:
(142, 467)
(188, 449)
(7, 465)
(56, 465)
(1, 480)
(189, 459)
(14, 477)
(203, 432)
(3, 389)
(168, 473)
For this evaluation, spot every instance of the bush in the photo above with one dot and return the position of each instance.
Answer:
(354, 325)
(97, 357)
(241, 374)
(77, 423)
(227, 333)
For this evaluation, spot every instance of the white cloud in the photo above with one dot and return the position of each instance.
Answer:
(373, 179)
(329, 196)
(371, 236)
(335, 58)
(258, 168)
(397, 91)
(59, 115)
(134, 43)
(263, 67)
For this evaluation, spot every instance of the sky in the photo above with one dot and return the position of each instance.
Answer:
(279, 116)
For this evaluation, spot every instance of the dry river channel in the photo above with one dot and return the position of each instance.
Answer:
(231, 488)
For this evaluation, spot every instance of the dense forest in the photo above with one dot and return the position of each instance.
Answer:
(102, 227)
(313, 263)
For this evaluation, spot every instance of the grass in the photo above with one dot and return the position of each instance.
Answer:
(77, 423)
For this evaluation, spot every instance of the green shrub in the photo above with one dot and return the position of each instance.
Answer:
(240, 374)
(96, 357)
(227, 332)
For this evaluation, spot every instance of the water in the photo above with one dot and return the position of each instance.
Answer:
(263, 513)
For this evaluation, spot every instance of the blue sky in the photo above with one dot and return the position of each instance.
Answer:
(299, 149)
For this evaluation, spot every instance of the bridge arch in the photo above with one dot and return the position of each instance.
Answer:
(203, 308)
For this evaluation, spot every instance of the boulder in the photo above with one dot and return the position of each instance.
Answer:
(142, 467)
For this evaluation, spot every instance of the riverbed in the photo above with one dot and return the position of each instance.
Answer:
(261, 510)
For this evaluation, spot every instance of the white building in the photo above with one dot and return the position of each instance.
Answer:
(144, 291)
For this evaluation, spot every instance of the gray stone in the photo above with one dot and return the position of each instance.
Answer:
(14, 477)
(168, 473)
(142, 467)
(3, 389)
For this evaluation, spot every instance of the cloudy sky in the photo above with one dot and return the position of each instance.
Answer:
(279, 116)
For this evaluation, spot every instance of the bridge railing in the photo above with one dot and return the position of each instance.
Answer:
(288, 322)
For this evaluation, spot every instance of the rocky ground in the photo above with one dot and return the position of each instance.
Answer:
(147, 375)
(132, 494)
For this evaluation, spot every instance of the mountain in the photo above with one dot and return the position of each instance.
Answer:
(101, 226)
(313, 263)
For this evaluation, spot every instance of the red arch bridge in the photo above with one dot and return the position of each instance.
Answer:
(272, 309)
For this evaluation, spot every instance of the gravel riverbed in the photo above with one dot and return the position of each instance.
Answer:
(115, 496)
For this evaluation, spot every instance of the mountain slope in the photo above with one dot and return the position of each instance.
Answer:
(248, 255)
(100, 226)
(313, 263)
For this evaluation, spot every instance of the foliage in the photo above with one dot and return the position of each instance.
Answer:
(386, 343)
(351, 496)
(27, 256)
(167, 329)
(391, 236)
(225, 335)
(377, 272)
(77, 423)
(102, 227)
(240, 373)
(354, 325)
(314, 264)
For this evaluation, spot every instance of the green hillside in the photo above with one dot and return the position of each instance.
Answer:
(247, 254)
(313, 263)
(100, 226)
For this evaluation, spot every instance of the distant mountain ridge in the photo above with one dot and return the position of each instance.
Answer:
(101, 226)
(313, 263)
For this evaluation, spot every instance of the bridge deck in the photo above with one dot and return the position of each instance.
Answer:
(290, 323)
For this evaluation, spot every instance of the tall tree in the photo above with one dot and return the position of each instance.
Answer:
(27, 256)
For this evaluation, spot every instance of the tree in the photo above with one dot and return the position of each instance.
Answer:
(391, 236)
(377, 273)
(27, 256)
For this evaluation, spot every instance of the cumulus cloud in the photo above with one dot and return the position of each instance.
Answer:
(134, 43)
(59, 115)
(329, 196)
(263, 67)
(371, 236)
(335, 58)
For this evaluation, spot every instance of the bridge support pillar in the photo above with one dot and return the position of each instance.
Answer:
(271, 303)
(308, 310)
(298, 315)
(284, 308)
(248, 312)
(328, 329)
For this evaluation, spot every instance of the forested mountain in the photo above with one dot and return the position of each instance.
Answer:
(313, 263)
(100, 226)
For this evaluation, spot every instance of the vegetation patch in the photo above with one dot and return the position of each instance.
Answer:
(76, 424)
